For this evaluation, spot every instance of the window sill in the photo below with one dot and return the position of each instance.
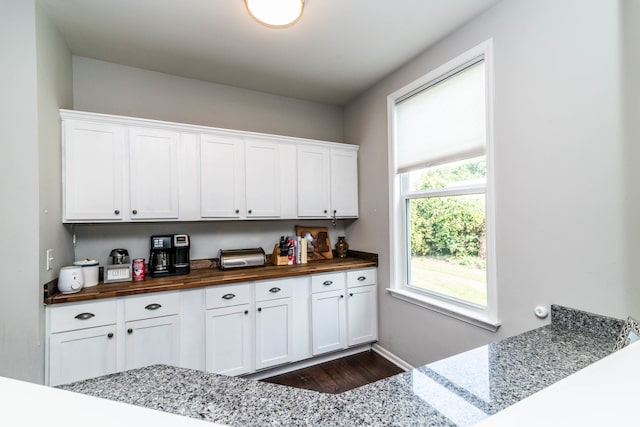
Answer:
(466, 315)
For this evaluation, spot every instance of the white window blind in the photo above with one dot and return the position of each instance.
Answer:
(443, 121)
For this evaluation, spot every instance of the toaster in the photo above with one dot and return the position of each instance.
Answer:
(240, 258)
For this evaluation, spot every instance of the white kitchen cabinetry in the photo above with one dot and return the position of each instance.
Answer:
(128, 169)
(153, 178)
(152, 325)
(92, 171)
(228, 331)
(86, 340)
(328, 182)
(221, 177)
(262, 169)
(274, 323)
(344, 310)
(82, 341)
(313, 181)
(344, 183)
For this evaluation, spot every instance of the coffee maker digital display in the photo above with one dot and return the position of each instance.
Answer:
(169, 255)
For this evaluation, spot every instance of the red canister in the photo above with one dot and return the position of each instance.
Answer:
(138, 269)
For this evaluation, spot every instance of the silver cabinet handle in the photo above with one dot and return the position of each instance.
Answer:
(85, 316)
(153, 306)
(274, 290)
(228, 296)
(361, 278)
(327, 282)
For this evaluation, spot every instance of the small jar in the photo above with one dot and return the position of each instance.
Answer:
(341, 247)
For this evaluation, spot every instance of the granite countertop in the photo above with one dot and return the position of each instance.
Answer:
(458, 391)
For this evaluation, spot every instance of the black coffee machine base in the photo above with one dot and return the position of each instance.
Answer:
(180, 272)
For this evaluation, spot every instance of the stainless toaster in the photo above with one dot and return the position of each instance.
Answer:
(239, 258)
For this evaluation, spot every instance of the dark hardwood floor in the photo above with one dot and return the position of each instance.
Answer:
(339, 375)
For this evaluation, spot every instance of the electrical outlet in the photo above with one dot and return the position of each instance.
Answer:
(49, 257)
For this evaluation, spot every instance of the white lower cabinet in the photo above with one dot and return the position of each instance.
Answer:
(81, 354)
(362, 318)
(233, 329)
(152, 341)
(329, 321)
(229, 342)
(274, 322)
(86, 340)
(343, 310)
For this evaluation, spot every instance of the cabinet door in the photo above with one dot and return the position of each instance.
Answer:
(328, 321)
(274, 330)
(344, 183)
(362, 315)
(262, 167)
(152, 341)
(92, 171)
(229, 341)
(82, 354)
(153, 165)
(313, 181)
(221, 177)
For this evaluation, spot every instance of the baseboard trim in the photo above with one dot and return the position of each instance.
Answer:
(391, 357)
(283, 369)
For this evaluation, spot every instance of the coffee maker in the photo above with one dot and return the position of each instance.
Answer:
(169, 255)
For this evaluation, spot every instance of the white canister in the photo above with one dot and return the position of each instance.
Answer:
(89, 271)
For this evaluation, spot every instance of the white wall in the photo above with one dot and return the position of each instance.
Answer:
(95, 241)
(24, 36)
(104, 87)
(559, 157)
(54, 92)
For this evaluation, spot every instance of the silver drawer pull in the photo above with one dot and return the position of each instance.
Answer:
(274, 290)
(228, 296)
(361, 278)
(327, 282)
(153, 306)
(85, 316)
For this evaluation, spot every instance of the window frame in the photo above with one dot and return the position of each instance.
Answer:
(483, 317)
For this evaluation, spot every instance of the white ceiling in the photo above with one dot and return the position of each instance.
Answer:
(336, 51)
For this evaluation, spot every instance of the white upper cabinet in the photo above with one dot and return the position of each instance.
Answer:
(328, 182)
(262, 166)
(154, 174)
(127, 169)
(313, 181)
(344, 183)
(221, 177)
(93, 171)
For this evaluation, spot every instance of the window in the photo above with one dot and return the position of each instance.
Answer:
(442, 224)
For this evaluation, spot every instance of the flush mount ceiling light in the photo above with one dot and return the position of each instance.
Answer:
(275, 13)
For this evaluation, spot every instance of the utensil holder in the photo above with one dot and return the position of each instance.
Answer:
(276, 259)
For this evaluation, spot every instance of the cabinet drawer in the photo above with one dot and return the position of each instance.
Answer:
(365, 277)
(273, 289)
(327, 282)
(82, 315)
(228, 295)
(151, 305)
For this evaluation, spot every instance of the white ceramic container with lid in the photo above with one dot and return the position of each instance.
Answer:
(89, 271)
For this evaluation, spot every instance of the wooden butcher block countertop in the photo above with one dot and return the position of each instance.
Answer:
(202, 274)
